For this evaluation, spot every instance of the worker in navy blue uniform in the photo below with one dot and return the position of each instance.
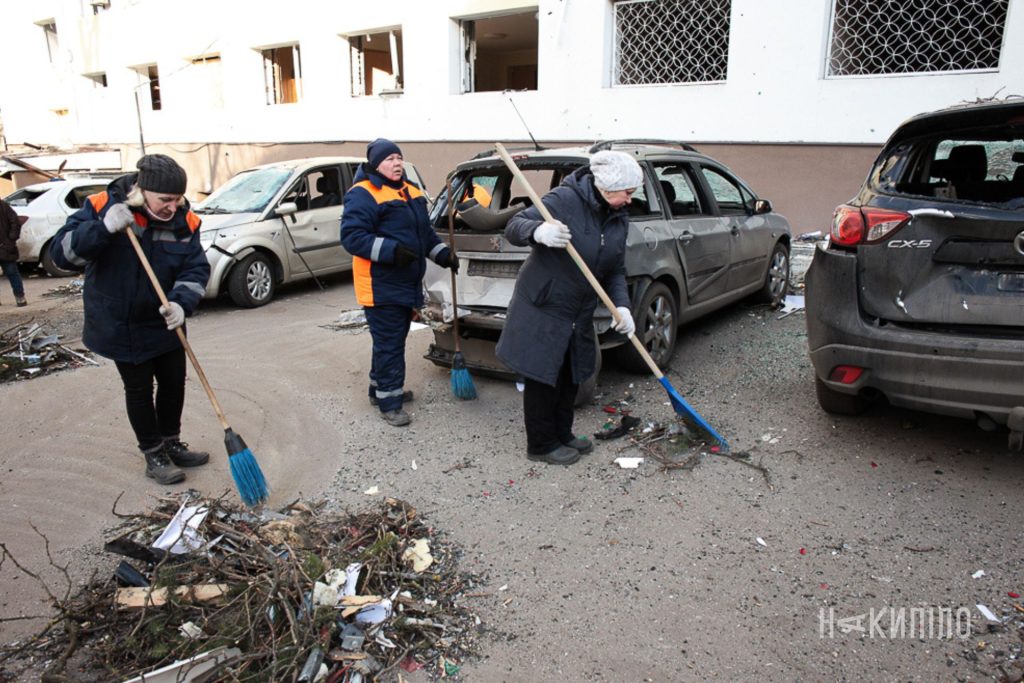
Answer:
(386, 229)
(548, 337)
(124, 320)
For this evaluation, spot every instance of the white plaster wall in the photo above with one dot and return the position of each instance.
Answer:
(775, 91)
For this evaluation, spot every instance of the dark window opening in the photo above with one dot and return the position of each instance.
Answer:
(376, 60)
(500, 53)
(282, 74)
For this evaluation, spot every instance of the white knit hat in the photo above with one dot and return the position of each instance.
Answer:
(615, 171)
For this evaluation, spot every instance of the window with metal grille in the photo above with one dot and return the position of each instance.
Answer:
(872, 37)
(282, 74)
(671, 41)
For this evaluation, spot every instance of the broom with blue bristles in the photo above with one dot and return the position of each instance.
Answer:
(462, 381)
(252, 486)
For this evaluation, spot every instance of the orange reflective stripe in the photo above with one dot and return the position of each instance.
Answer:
(362, 280)
(386, 193)
(98, 200)
(193, 221)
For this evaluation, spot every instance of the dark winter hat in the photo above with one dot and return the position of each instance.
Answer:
(160, 173)
(379, 150)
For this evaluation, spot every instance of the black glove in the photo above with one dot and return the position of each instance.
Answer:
(404, 256)
(453, 261)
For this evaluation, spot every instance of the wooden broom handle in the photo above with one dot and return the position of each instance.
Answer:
(605, 299)
(181, 334)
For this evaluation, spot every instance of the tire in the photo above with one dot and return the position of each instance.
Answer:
(51, 268)
(776, 281)
(251, 282)
(836, 403)
(585, 392)
(656, 327)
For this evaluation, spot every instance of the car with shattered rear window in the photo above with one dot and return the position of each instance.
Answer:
(699, 239)
(917, 298)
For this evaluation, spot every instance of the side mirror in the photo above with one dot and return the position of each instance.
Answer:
(762, 206)
(286, 209)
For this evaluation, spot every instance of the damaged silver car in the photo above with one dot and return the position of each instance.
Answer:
(918, 298)
(699, 239)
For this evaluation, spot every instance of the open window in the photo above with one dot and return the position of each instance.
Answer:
(376, 60)
(49, 27)
(149, 82)
(282, 74)
(499, 52)
(205, 81)
(99, 79)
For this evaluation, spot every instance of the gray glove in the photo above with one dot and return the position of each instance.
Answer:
(174, 315)
(117, 218)
(554, 235)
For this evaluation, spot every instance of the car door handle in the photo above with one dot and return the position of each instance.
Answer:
(685, 237)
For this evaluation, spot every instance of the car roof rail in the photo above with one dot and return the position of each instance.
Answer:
(607, 144)
(493, 152)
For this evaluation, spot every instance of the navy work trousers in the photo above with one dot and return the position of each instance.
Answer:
(153, 421)
(389, 327)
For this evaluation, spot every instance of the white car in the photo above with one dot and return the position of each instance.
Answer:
(275, 224)
(47, 206)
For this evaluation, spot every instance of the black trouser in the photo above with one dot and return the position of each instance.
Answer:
(548, 411)
(389, 327)
(155, 421)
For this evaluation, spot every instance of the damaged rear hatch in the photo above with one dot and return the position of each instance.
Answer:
(939, 227)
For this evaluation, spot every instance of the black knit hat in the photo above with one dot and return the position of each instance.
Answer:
(379, 150)
(160, 173)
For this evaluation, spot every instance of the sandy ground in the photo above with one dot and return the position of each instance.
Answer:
(595, 573)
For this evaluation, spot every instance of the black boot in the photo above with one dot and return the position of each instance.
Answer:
(160, 467)
(181, 456)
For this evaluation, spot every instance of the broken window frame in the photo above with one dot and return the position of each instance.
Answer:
(148, 76)
(282, 88)
(98, 78)
(49, 27)
(469, 51)
(215, 82)
(357, 61)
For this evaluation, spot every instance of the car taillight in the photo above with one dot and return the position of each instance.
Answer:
(852, 225)
(845, 374)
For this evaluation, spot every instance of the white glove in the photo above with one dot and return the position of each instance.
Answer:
(118, 218)
(625, 325)
(174, 315)
(554, 235)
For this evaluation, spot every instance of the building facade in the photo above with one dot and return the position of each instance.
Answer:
(795, 95)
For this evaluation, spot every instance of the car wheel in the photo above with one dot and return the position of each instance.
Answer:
(836, 403)
(655, 327)
(251, 282)
(585, 392)
(51, 268)
(776, 281)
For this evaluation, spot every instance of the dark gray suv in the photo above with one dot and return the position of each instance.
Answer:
(699, 239)
(918, 297)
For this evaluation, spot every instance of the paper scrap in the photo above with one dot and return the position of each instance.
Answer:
(372, 491)
(761, 542)
(987, 613)
(627, 463)
(419, 555)
(978, 574)
(181, 535)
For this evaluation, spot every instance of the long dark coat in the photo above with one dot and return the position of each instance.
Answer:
(10, 231)
(552, 306)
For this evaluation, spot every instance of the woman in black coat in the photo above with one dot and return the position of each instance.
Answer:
(549, 333)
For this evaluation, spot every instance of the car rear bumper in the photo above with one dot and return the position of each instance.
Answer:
(957, 374)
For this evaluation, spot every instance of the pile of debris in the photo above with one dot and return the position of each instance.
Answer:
(26, 351)
(300, 594)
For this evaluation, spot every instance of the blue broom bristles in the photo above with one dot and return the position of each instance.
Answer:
(691, 416)
(252, 486)
(462, 381)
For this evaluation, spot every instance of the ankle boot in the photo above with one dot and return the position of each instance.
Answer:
(160, 467)
(181, 456)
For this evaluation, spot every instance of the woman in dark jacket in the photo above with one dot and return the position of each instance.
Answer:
(387, 230)
(549, 333)
(124, 320)
(10, 231)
